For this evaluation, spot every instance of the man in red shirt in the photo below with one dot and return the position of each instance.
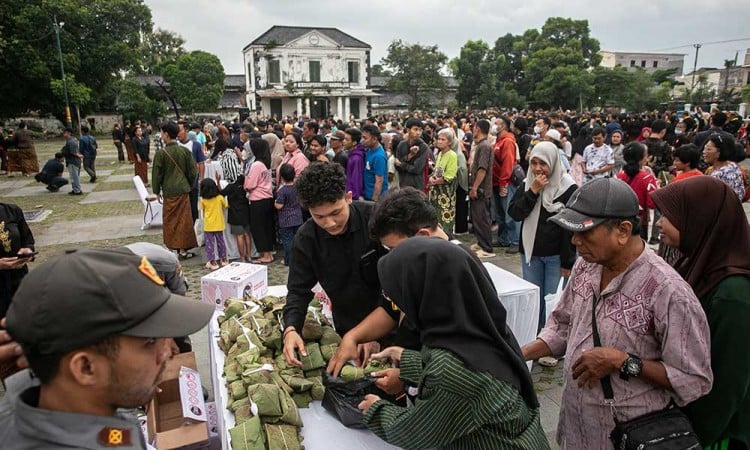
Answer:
(505, 150)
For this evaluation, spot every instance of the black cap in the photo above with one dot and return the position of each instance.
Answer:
(595, 202)
(83, 296)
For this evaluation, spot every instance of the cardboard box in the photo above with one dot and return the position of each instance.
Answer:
(234, 280)
(214, 438)
(177, 415)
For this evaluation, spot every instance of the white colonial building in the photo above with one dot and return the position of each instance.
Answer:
(649, 62)
(314, 71)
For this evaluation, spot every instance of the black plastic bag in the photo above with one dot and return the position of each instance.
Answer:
(342, 398)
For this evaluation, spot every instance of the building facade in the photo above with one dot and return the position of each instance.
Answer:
(649, 62)
(313, 71)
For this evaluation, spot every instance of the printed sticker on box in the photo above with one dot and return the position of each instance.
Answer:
(191, 394)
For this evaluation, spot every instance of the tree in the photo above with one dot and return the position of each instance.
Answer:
(133, 102)
(379, 71)
(196, 81)
(98, 40)
(159, 48)
(416, 70)
(78, 94)
(468, 71)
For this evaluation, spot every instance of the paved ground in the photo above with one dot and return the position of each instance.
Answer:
(109, 215)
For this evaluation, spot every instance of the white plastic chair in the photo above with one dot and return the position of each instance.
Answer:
(152, 214)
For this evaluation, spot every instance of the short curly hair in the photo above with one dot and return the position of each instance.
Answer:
(321, 183)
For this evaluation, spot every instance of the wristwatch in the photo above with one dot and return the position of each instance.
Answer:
(631, 367)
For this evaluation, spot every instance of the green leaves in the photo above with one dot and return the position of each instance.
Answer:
(416, 70)
(196, 81)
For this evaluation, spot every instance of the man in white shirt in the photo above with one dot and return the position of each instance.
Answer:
(598, 157)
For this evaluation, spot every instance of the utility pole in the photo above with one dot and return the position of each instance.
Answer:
(57, 25)
(695, 66)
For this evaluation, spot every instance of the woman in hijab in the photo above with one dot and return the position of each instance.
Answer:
(474, 389)
(277, 149)
(547, 252)
(702, 217)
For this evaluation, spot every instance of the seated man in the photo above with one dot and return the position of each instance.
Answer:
(51, 173)
(96, 328)
(401, 215)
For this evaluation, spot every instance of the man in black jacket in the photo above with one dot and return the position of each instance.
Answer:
(51, 173)
(335, 250)
(411, 156)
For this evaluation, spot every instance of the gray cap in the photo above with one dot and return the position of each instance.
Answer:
(595, 202)
(78, 298)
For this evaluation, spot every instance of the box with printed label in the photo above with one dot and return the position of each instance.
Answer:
(177, 414)
(234, 280)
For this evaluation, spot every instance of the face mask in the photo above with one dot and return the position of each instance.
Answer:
(677, 131)
(494, 129)
(537, 130)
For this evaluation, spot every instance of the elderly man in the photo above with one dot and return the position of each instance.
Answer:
(96, 328)
(653, 332)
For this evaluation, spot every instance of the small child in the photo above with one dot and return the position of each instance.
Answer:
(212, 203)
(290, 212)
(239, 216)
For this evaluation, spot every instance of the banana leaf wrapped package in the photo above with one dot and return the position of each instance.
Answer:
(329, 336)
(351, 373)
(318, 390)
(290, 413)
(234, 405)
(243, 413)
(375, 366)
(248, 435)
(237, 390)
(312, 330)
(232, 370)
(267, 397)
(313, 360)
(314, 373)
(233, 306)
(297, 383)
(257, 374)
(282, 437)
(328, 350)
(302, 399)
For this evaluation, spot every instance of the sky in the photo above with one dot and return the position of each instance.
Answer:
(224, 27)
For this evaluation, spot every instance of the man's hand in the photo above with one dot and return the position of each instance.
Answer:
(597, 363)
(388, 381)
(396, 162)
(564, 272)
(473, 194)
(504, 191)
(364, 351)
(10, 350)
(540, 181)
(365, 404)
(293, 341)
(392, 354)
(12, 263)
(346, 351)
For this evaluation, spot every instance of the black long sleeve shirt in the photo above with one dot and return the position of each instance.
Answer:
(550, 239)
(334, 262)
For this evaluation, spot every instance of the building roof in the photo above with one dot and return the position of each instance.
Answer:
(614, 52)
(237, 81)
(284, 34)
(381, 82)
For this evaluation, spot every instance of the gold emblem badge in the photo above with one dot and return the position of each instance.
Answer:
(147, 269)
(114, 437)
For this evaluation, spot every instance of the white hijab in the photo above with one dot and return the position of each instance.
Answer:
(559, 183)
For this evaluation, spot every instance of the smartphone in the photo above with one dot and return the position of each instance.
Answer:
(26, 255)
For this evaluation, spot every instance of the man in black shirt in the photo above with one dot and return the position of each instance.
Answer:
(51, 173)
(329, 249)
(340, 155)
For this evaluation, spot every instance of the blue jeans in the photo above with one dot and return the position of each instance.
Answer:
(507, 228)
(543, 271)
(75, 180)
(287, 239)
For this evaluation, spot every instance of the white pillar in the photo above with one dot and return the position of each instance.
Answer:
(339, 110)
(742, 110)
(689, 108)
(299, 106)
(346, 109)
(307, 107)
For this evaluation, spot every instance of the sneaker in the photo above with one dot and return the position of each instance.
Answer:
(512, 250)
(51, 188)
(482, 254)
(547, 361)
(75, 193)
(499, 244)
(475, 247)
(93, 180)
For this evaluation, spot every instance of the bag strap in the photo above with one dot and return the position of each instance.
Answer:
(166, 152)
(606, 381)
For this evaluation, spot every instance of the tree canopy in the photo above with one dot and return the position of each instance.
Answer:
(416, 70)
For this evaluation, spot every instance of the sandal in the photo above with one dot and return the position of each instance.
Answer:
(186, 255)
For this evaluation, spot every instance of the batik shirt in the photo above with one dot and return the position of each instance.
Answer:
(732, 176)
(648, 311)
(596, 158)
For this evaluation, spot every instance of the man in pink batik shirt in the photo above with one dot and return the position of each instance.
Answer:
(654, 335)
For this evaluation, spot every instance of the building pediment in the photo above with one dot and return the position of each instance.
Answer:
(313, 39)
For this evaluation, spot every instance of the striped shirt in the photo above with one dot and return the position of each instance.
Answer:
(456, 408)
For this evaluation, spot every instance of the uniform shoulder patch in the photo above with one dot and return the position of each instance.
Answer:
(147, 269)
(114, 437)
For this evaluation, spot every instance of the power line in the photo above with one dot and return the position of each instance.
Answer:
(702, 43)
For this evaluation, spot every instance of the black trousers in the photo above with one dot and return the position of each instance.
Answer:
(462, 211)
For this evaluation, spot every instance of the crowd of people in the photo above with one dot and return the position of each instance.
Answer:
(642, 330)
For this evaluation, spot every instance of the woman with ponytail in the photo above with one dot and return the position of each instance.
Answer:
(640, 180)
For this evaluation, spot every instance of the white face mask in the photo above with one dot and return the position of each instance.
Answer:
(494, 129)
(677, 131)
(537, 130)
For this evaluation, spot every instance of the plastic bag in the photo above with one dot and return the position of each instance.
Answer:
(550, 300)
(342, 398)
